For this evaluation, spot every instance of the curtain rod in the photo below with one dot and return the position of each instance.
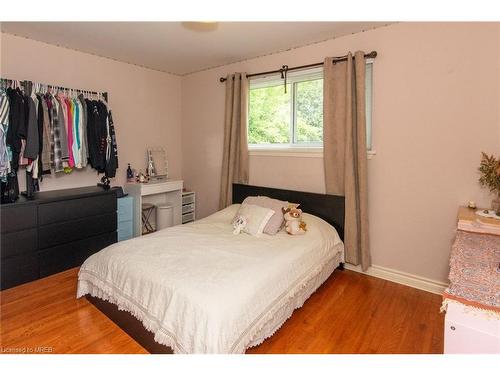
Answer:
(104, 93)
(370, 55)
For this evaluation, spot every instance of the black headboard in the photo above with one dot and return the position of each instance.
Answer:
(330, 208)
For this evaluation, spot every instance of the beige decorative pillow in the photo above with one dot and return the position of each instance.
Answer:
(276, 221)
(256, 218)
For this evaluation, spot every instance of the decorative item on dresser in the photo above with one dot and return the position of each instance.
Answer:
(472, 301)
(188, 206)
(490, 178)
(55, 231)
(125, 218)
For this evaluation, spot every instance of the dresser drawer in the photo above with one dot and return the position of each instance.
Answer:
(188, 198)
(187, 208)
(125, 230)
(186, 218)
(18, 270)
(160, 187)
(59, 258)
(18, 243)
(56, 212)
(60, 233)
(18, 217)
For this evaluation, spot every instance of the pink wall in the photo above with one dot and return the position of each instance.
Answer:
(436, 95)
(146, 104)
(436, 106)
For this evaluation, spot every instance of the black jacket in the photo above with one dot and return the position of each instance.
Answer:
(17, 124)
(112, 162)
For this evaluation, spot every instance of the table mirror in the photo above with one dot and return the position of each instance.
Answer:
(157, 165)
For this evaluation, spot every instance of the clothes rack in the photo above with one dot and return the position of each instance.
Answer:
(52, 129)
(24, 83)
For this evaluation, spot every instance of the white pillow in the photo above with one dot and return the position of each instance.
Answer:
(256, 217)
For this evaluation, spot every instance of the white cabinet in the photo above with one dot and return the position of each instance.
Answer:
(468, 330)
(472, 322)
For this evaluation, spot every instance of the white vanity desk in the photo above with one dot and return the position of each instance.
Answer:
(156, 192)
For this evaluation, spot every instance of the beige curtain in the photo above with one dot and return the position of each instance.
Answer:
(345, 154)
(235, 153)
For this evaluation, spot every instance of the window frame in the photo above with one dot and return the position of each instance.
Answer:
(292, 79)
(304, 149)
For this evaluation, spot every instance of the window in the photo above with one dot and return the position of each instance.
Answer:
(294, 119)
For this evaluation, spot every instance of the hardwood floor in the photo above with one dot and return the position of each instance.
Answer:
(350, 313)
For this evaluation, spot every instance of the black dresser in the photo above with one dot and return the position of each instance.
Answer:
(56, 231)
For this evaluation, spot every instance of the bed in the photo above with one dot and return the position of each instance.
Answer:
(197, 288)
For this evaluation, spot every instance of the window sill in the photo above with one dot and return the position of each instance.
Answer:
(300, 152)
(309, 152)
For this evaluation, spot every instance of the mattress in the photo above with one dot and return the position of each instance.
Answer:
(201, 289)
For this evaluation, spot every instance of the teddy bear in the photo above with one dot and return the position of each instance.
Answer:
(293, 220)
(238, 224)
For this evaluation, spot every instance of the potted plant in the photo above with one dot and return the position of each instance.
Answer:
(490, 178)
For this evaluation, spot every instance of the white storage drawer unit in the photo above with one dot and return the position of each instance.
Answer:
(188, 206)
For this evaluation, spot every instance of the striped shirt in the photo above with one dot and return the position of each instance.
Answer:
(4, 125)
(53, 105)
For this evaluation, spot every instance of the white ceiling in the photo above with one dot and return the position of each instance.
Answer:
(175, 47)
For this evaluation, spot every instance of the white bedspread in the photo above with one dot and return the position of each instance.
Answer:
(200, 288)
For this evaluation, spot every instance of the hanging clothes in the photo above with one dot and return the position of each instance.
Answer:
(69, 128)
(4, 125)
(112, 161)
(40, 132)
(62, 125)
(83, 130)
(102, 136)
(31, 148)
(16, 122)
(76, 134)
(24, 126)
(54, 111)
(50, 132)
(44, 156)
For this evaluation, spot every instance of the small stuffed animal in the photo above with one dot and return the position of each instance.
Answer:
(238, 224)
(293, 220)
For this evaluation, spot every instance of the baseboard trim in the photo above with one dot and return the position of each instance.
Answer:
(408, 279)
